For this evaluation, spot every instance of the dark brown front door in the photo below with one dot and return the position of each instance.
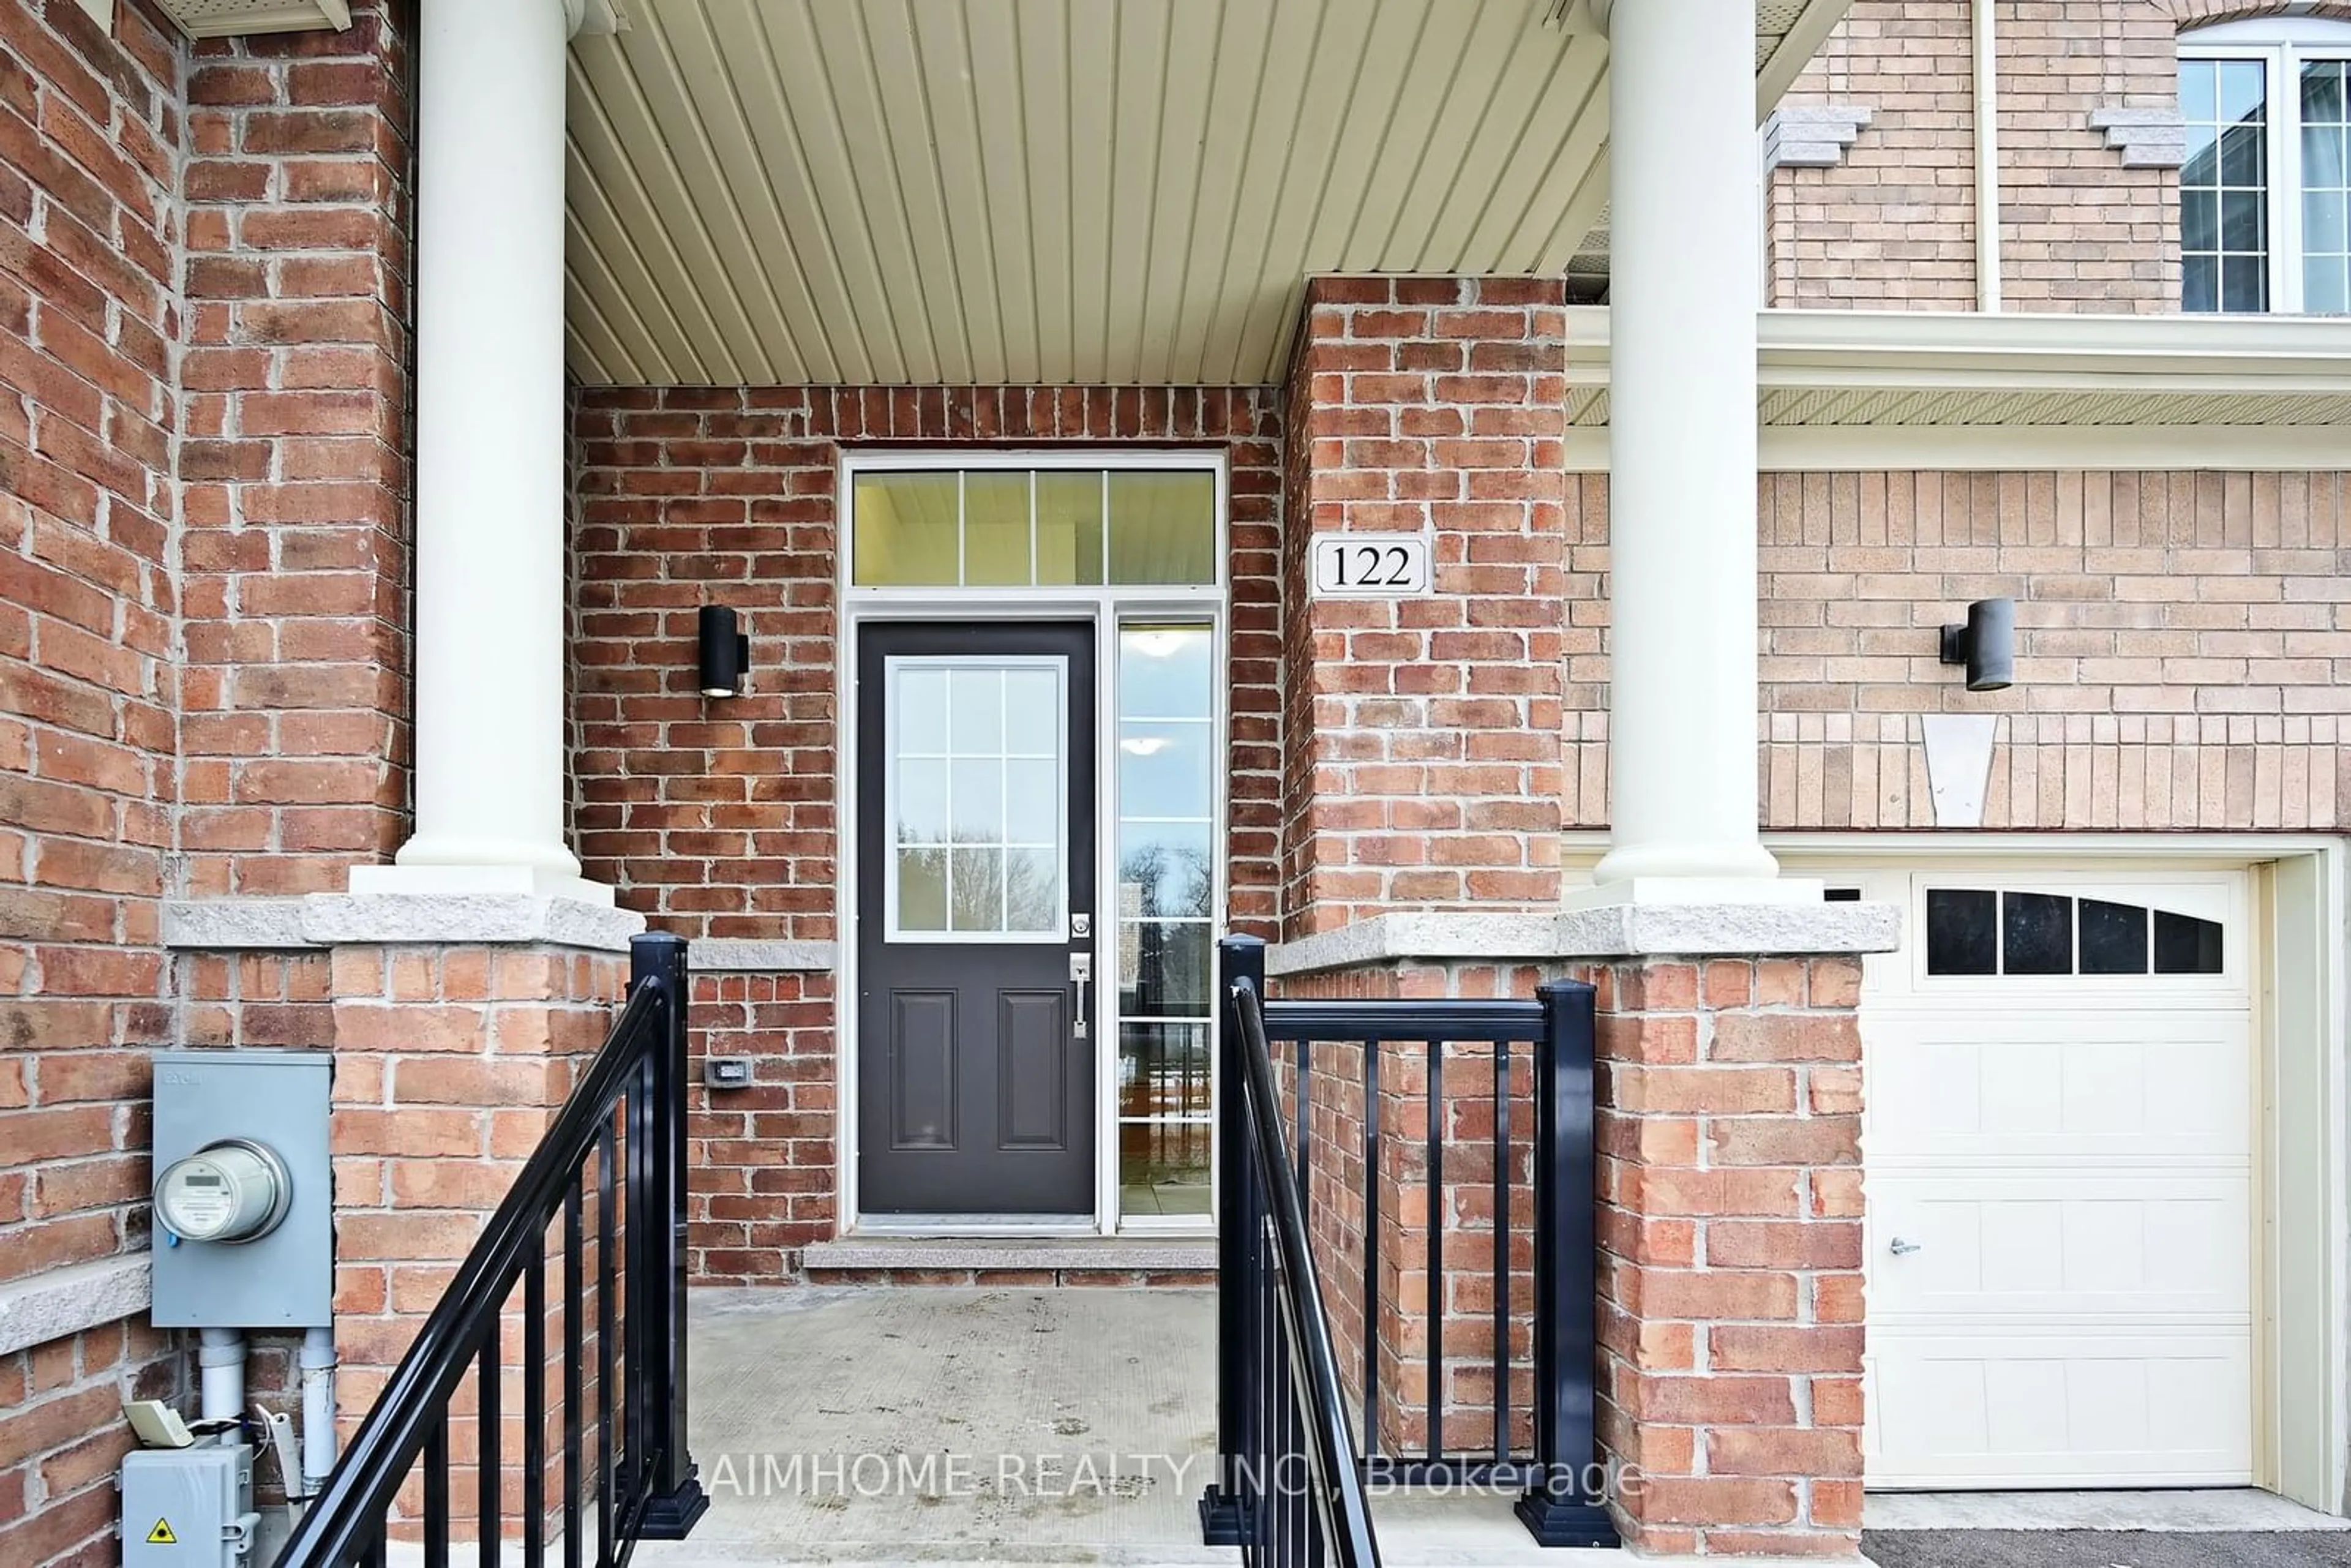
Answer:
(975, 858)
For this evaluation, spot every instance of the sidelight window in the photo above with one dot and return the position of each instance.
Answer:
(1166, 891)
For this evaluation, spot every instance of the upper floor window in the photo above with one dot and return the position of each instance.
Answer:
(2266, 193)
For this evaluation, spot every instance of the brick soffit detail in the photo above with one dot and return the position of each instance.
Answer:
(1811, 136)
(2147, 138)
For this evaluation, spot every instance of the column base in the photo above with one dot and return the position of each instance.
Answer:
(1555, 1522)
(673, 1518)
(535, 881)
(1224, 1519)
(1686, 890)
(1728, 863)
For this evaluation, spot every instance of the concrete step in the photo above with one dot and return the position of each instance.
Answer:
(1009, 1261)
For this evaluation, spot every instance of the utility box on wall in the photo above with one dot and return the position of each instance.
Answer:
(188, 1508)
(241, 1154)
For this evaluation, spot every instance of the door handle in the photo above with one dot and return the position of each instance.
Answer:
(1082, 974)
(1902, 1249)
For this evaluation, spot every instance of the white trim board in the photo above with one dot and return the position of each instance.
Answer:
(1918, 369)
(1877, 449)
(2020, 350)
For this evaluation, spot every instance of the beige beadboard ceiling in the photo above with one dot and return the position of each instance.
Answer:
(915, 191)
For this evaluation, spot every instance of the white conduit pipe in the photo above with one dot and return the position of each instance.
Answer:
(220, 1356)
(1987, 122)
(317, 1410)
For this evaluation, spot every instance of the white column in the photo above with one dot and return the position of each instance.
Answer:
(1683, 291)
(489, 454)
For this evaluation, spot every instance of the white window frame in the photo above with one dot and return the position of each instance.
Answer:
(2280, 44)
(1106, 608)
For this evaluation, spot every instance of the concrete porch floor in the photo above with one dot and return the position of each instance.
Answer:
(937, 1424)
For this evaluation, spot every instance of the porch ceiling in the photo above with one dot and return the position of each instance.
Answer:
(1022, 191)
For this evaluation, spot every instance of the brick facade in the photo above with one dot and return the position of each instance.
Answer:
(1730, 1100)
(1893, 228)
(1420, 758)
(90, 148)
(204, 614)
(2180, 650)
(1728, 1179)
(1461, 1200)
(296, 460)
(450, 1063)
(718, 819)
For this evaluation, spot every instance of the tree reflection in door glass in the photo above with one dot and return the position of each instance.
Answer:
(977, 786)
(1168, 748)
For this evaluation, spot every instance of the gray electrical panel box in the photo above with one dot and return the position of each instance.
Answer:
(188, 1508)
(277, 1100)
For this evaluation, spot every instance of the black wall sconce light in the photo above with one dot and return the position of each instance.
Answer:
(1986, 644)
(724, 652)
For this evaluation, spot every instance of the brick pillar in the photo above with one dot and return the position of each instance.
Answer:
(295, 381)
(1422, 757)
(1730, 1319)
(450, 1063)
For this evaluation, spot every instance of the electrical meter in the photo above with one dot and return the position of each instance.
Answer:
(231, 1191)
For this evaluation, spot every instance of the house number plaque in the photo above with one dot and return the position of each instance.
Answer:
(1371, 565)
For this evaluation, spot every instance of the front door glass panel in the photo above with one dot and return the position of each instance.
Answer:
(977, 773)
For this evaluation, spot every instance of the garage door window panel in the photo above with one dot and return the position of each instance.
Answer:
(2036, 933)
(2114, 938)
(1962, 930)
(2013, 931)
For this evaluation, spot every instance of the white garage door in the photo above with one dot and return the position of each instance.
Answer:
(2058, 1142)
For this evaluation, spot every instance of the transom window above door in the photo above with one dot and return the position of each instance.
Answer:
(2266, 193)
(1033, 527)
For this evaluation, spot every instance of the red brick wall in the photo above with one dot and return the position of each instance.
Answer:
(1728, 1179)
(450, 1062)
(765, 1159)
(297, 373)
(1421, 761)
(1461, 1203)
(1729, 1100)
(62, 1436)
(717, 818)
(90, 148)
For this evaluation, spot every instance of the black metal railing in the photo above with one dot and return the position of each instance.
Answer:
(612, 1167)
(1289, 1490)
(1431, 1048)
